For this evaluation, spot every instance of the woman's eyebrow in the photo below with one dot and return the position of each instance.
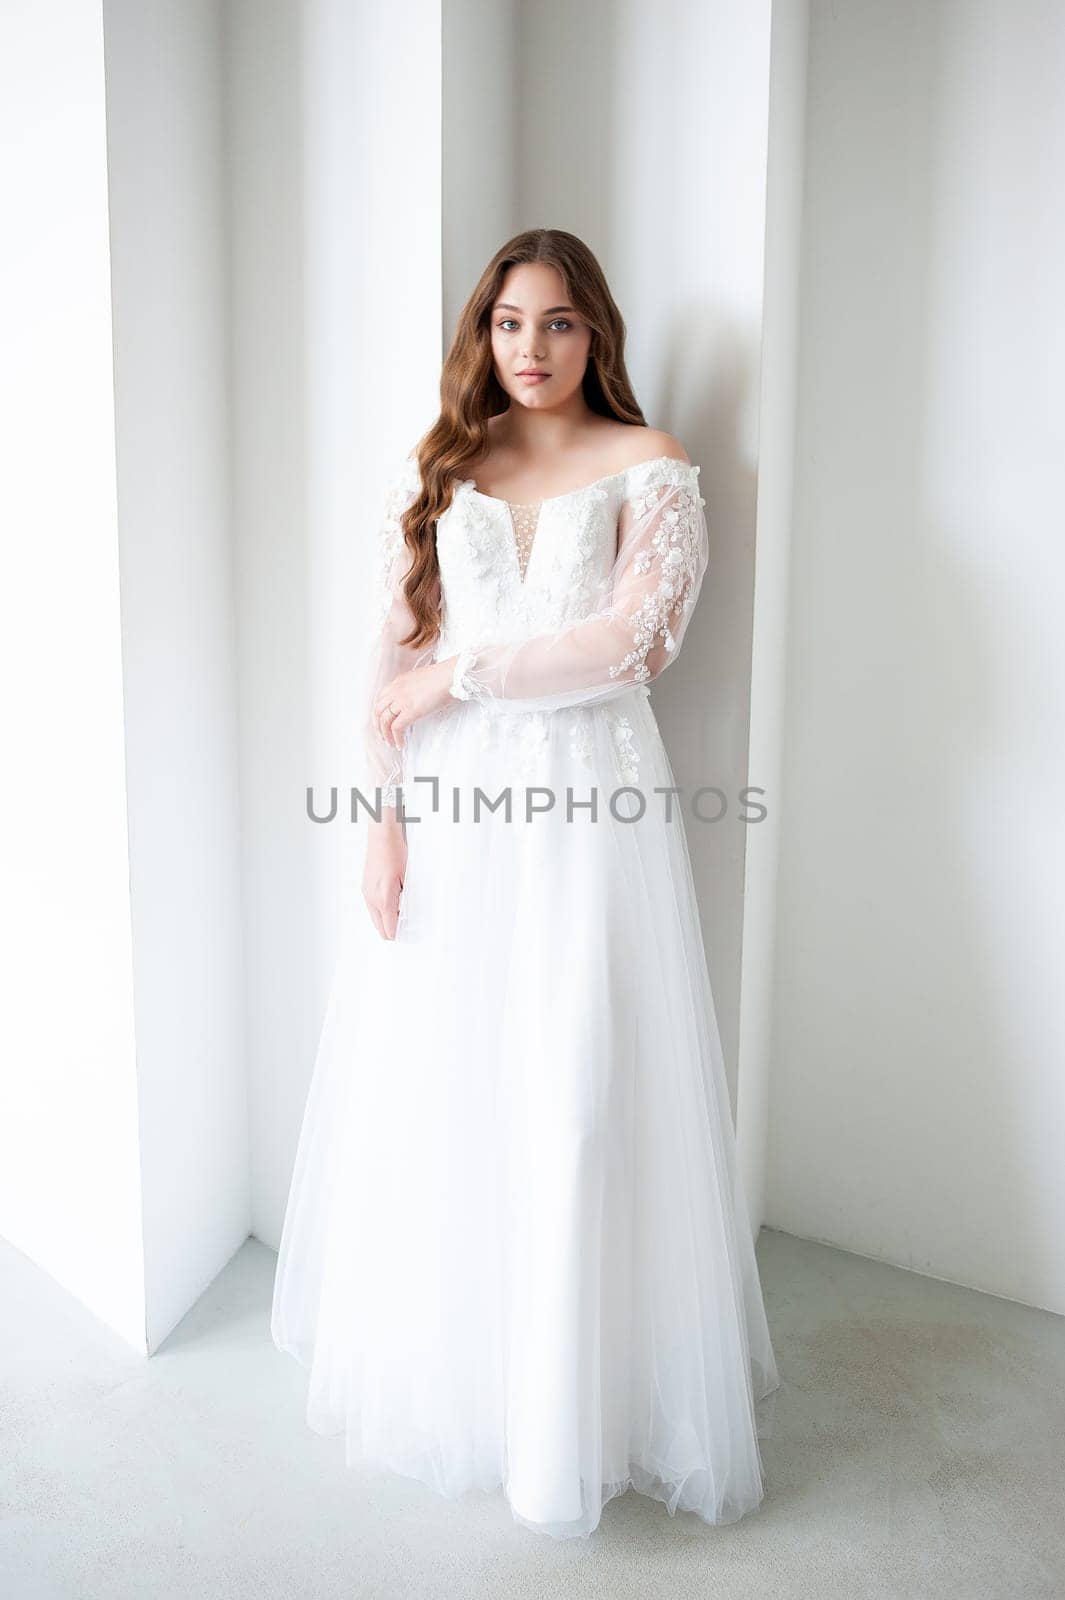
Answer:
(550, 312)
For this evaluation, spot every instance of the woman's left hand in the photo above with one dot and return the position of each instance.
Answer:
(412, 695)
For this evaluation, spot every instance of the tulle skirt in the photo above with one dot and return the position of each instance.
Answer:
(516, 1253)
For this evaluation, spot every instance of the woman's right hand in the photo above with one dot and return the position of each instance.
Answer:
(384, 872)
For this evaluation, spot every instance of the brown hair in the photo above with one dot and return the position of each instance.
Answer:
(470, 393)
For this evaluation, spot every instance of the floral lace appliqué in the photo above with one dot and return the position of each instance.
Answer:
(580, 735)
(626, 750)
(521, 740)
(400, 491)
(532, 744)
(675, 553)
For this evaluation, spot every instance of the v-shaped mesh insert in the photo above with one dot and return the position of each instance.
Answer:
(524, 517)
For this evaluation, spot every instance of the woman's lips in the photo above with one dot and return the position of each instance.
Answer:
(533, 377)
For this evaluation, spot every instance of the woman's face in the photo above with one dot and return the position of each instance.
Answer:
(535, 327)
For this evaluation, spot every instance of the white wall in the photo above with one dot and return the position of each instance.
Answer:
(69, 1170)
(169, 290)
(479, 151)
(124, 1157)
(918, 1093)
(780, 336)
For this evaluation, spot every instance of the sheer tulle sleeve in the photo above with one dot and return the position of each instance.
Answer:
(639, 618)
(391, 622)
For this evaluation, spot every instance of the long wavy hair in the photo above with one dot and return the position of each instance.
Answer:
(470, 393)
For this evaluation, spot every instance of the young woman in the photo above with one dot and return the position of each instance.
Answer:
(516, 1251)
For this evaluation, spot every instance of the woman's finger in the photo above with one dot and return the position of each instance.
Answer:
(390, 912)
(374, 916)
(384, 723)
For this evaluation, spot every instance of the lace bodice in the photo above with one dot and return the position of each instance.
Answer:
(488, 595)
(565, 602)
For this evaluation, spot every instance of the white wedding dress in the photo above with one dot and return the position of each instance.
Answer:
(516, 1251)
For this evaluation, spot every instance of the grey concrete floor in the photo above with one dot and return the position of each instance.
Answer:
(917, 1453)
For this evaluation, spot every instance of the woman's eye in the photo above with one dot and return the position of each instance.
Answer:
(556, 322)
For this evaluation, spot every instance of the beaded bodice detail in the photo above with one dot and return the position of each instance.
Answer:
(524, 517)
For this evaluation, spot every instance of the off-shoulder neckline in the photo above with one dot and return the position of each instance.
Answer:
(609, 477)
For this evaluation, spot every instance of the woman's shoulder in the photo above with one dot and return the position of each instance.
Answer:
(655, 461)
(642, 446)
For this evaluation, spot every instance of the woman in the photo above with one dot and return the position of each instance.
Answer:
(516, 1251)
